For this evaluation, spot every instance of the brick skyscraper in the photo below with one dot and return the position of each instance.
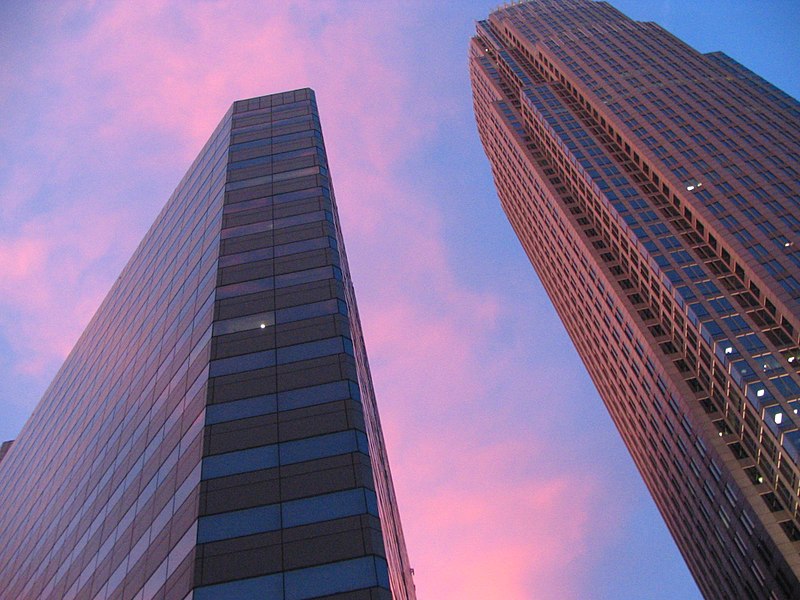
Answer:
(656, 190)
(214, 434)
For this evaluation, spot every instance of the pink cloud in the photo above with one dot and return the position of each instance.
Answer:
(491, 533)
(21, 185)
(19, 257)
(137, 87)
(49, 286)
(181, 71)
(485, 515)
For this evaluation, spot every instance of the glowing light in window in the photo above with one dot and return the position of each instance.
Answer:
(263, 325)
(729, 350)
(778, 418)
(760, 393)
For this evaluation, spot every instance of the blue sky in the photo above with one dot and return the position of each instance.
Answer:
(512, 480)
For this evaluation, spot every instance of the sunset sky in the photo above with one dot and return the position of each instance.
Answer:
(512, 481)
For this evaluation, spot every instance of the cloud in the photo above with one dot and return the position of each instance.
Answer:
(118, 90)
(49, 287)
(474, 428)
(491, 531)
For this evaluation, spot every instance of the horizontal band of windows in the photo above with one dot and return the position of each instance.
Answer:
(310, 310)
(305, 245)
(287, 280)
(344, 576)
(306, 99)
(267, 586)
(247, 123)
(273, 169)
(277, 109)
(244, 113)
(236, 185)
(282, 316)
(257, 321)
(285, 453)
(281, 356)
(295, 513)
(241, 409)
(318, 394)
(301, 194)
(326, 507)
(260, 160)
(315, 349)
(241, 461)
(255, 124)
(301, 584)
(241, 258)
(273, 158)
(242, 363)
(291, 400)
(291, 115)
(271, 224)
(254, 286)
(239, 523)
(271, 200)
(298, 277)
(311, 138)
(278, 251)
(270, 113)
(278, 139)
(267, 143)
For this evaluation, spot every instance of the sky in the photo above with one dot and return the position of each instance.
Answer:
(511, 479)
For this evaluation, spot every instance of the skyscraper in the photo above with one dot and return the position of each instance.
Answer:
(655, 189)
(214, 433)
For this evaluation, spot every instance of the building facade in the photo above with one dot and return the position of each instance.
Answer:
(656, 191)
(214, 433)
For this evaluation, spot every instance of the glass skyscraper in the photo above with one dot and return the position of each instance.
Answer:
(656, 190)
(214, 433)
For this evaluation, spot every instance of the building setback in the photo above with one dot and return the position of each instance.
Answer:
(655, 189)
(214, 433)
(4, 447)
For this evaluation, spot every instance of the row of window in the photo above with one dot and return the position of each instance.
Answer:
(301, 584)
(284, 453)
(286, 280)
(294, 513)
(288, 400)
(281, 356)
